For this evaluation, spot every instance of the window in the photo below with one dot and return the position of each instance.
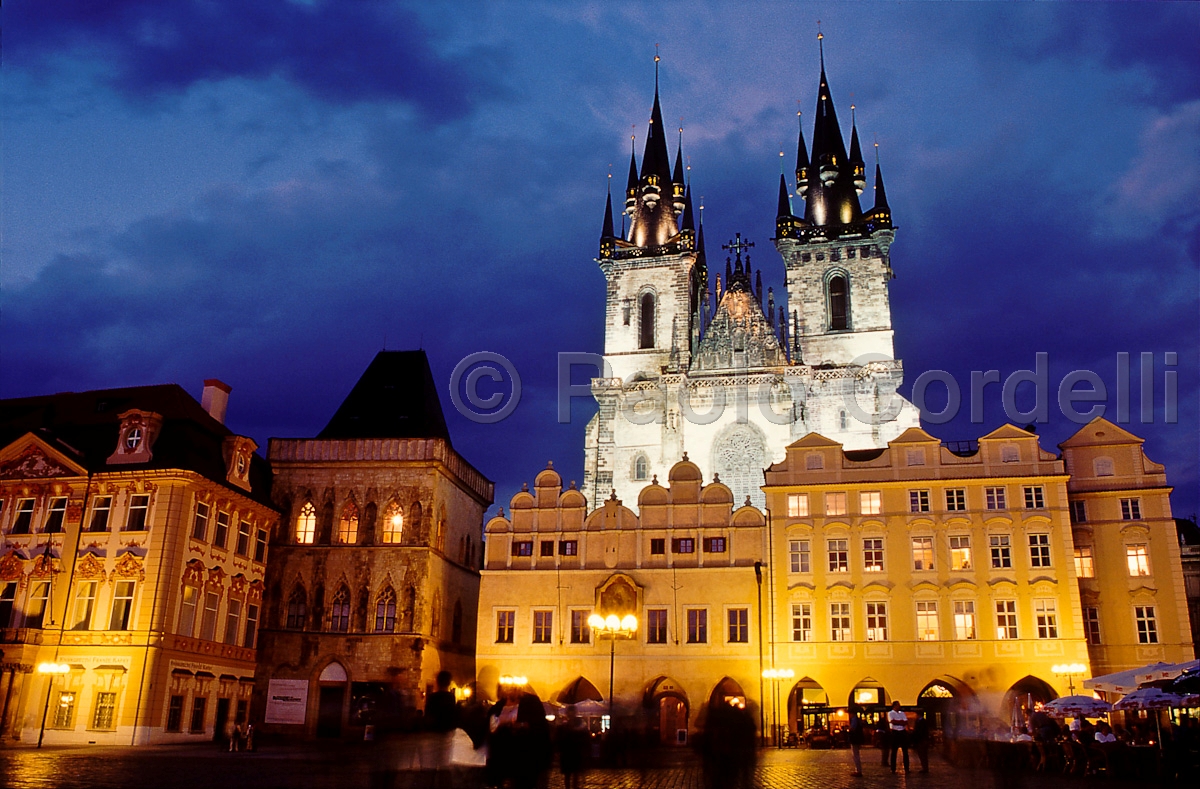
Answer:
(915, 457)
(1046, 616)
(956, 499)
(306, 524)
(658, 546)
(339, 611)
(187, 611)
(994, 498)
(23, 517)
(798, 556)
(1137, 560)
(798, 504)
(641, 468)
(505, 624)
(1039, 550)
(802, 622)
(233, 621)
(964, 620)
(869, 502)
(542, 621)
(739, 625)
(348, 524)
(568, 548)
(873, 555)
(927, 620)
(393, 525)
(547, 548)
(1131, 509)
(580, 632)
(835, 503)
(1085, 566)
(1006, 620)
(843, 422)
(960, 552)
(683, 545)
(1001, 549)
(64, 711)
(656, 626)
(918, 501)
(242, 546)
(122, 605)
(522, 548)
(1078, 512)
(35, 604)
(250, 636)
(85, 599)
(714, 545)
(208, 619)
(877, 622)
(101, 507)
(1035, 497)
(1103, 467)
(221, 534)
(1147, 627)
(200, 523)
(8, 597)
(197, 722)
(839, 622)
(139, 506)
(297, 609)
(697, 619)
(922, 553)
(838, 312)
(814, 461)
(1010, 453)
(839, 556)
(175, 714)
(260, 546)
(385, 611)
(646, 321)
(1091, 625)
(56, 516)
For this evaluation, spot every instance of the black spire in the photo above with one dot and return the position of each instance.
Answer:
(655, 159)
(830, 198)
(631, 184)
(801, 159)
(857, 167)
(688, 220)
(785, 203)
(881, 213)
(606, 232)
(677, 175)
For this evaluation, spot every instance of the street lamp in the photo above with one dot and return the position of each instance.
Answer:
(612, 627)
(775, 676)
(1069, 670)
(51, 670)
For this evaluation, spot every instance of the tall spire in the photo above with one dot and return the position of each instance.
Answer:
(830, 198)
(632, 183)
(606, 231)
(801, 157)
(688, 220)
(857, 167)
(655, 159)
(785, 203)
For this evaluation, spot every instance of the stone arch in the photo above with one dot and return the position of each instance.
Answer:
(739, 455)
(577, 690)
(943, 699)
(1024, 695)
(807, 705)
(837, 299)
(668, 710)
(869, 692)
(727, 691)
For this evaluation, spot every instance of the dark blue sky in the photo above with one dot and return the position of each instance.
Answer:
(264, 192)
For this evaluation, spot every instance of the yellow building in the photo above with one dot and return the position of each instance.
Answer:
(134, 535)
(685, 569)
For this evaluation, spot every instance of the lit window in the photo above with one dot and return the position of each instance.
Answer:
(683, 545)
(964, 620)
(927, 620)
(1006, 620)
(697, 619)
(877, 628)
(1085, 566)
(869, 503)
(1039, 550)
(139, 505)
(101, 507)
(85, 600)
(798, 556)
(956, 499)
(122, 605)
(656, 626)
(839, 556)
(393, 525)
(1137, 559)
(918, 501)
(56, 515)
(994, 498)
(542, 626)
(208, 620)
(306, 524)
(1035, 498)
(922, 553)
(739, 625)
(1046, 616)
(797, 505)
(873, 555)
(64, 711)
(835, 503)
(1091, 625)
(1000, 546)
(960, 552)
(1131, 509)
(1147, 627)
(187, 611)
(200, 521)
(839, 622)
(1078, 512)
(505, 622)
(581, 633)
(802, 622)
(348, 525)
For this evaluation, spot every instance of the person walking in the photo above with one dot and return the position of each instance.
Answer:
(857, 735)
(920, 740)
(882, 739)
(897, 721)
(573, 740)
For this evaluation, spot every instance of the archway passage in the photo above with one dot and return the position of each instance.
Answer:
(808, 706)
(869, 693)
(728, 692)
(667, 710)
(579, 690)
(331, 700)
(1026, 695)
(942, 701)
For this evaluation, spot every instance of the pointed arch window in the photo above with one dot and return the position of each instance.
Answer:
(339, 611)
(385, 611)
(393, 524)
(646, 321)
(297, 609)
(839, 303)
(306, 524)
(641, 468)
(348, 525)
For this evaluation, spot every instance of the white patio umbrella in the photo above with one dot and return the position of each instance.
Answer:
(590, 707)
(1150, 699)
(1076, 707)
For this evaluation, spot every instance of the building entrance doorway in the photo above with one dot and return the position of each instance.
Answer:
(672, 721)
(329, 711)
(222, 717)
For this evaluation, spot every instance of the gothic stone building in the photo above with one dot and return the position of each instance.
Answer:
(374, 580)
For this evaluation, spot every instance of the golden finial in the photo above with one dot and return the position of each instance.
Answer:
(656, 57)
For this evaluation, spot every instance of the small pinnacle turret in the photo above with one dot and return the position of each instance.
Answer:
(607, 239)
(785, 202)
(857, 166)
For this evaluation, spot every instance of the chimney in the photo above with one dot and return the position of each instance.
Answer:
(215, 398)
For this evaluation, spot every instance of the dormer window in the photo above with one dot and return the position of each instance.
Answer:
(135, 437)
(238, 451)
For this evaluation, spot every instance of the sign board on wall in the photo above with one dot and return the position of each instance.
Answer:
(287, 701)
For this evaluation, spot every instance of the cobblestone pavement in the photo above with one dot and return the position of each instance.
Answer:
(317, 766)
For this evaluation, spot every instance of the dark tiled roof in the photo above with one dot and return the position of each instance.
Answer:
(85, 427)
(395, 398)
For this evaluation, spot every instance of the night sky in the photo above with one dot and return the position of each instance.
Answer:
(269, 193)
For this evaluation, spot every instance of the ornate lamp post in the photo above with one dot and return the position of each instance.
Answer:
(50, 670)
(613, 627)
(775, 676)
(1070, 671)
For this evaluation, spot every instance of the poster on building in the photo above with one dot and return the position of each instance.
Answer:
(287, 701)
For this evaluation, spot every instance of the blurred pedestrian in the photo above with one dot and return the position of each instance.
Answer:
(882, 739)
(897, 721)
(920, 740)
(573, 740)
(856, 734)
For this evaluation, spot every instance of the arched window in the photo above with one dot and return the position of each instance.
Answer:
(842, 423)
(385, 611)
(838, 303)
(306, 524)
(393, 524)
(641, 468)
(339, 611)
(456, 623)
(348, 525)
(297, 609)
(646, 318)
